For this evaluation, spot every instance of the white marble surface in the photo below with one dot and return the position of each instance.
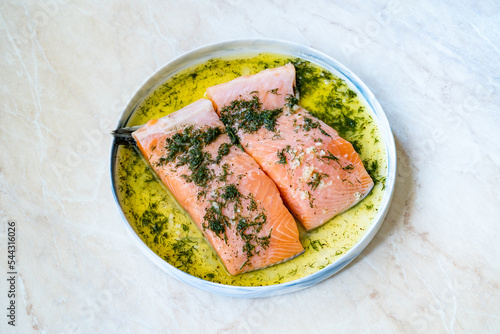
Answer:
(69, 67)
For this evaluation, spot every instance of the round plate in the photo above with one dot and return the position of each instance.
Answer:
(238, 47)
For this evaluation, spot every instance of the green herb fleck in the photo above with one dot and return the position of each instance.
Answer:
(317, 244)
(310, 124)
(184, 249)
(225, 173)
(253, 204)
(330, 156)
(373, 170)
(186, 148)
(233, 137)
(249, 116)
(315, 180)
(308, 77)
(211, 134)
(215, 221)
(281, 155)
(224, 149)
(291, 101)
(351, 94)
(231, 193)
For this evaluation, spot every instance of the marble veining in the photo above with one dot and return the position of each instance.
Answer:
(68, 69)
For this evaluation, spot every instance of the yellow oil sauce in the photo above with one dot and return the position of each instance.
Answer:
(169, 231)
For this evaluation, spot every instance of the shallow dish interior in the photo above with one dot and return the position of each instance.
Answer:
(242, 47)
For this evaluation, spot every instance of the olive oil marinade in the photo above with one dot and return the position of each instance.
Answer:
(164, 226)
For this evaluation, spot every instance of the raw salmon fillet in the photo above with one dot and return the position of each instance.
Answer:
(232, 201)
(318, 173)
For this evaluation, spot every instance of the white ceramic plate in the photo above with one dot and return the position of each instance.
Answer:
(238, 47)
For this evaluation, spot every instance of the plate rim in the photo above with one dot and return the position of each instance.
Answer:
(319, 58)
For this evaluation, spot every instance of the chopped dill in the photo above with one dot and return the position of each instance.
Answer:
(291, 101)
(253, 205)
(224, 149)
(249, 116)
(247, 227)
(215, 221)
(315, 180)
(225, 172)
(211, 134)
(372, 168)
(308, 77)
(351, 94)
(281, 155)
(310, 124)
(233, 137)
(348, 167)
(330, 156)
(317, 244)
(184, 249)
(231, 193)
(186, 148)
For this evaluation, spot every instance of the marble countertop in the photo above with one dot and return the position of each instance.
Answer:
(68, 69)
